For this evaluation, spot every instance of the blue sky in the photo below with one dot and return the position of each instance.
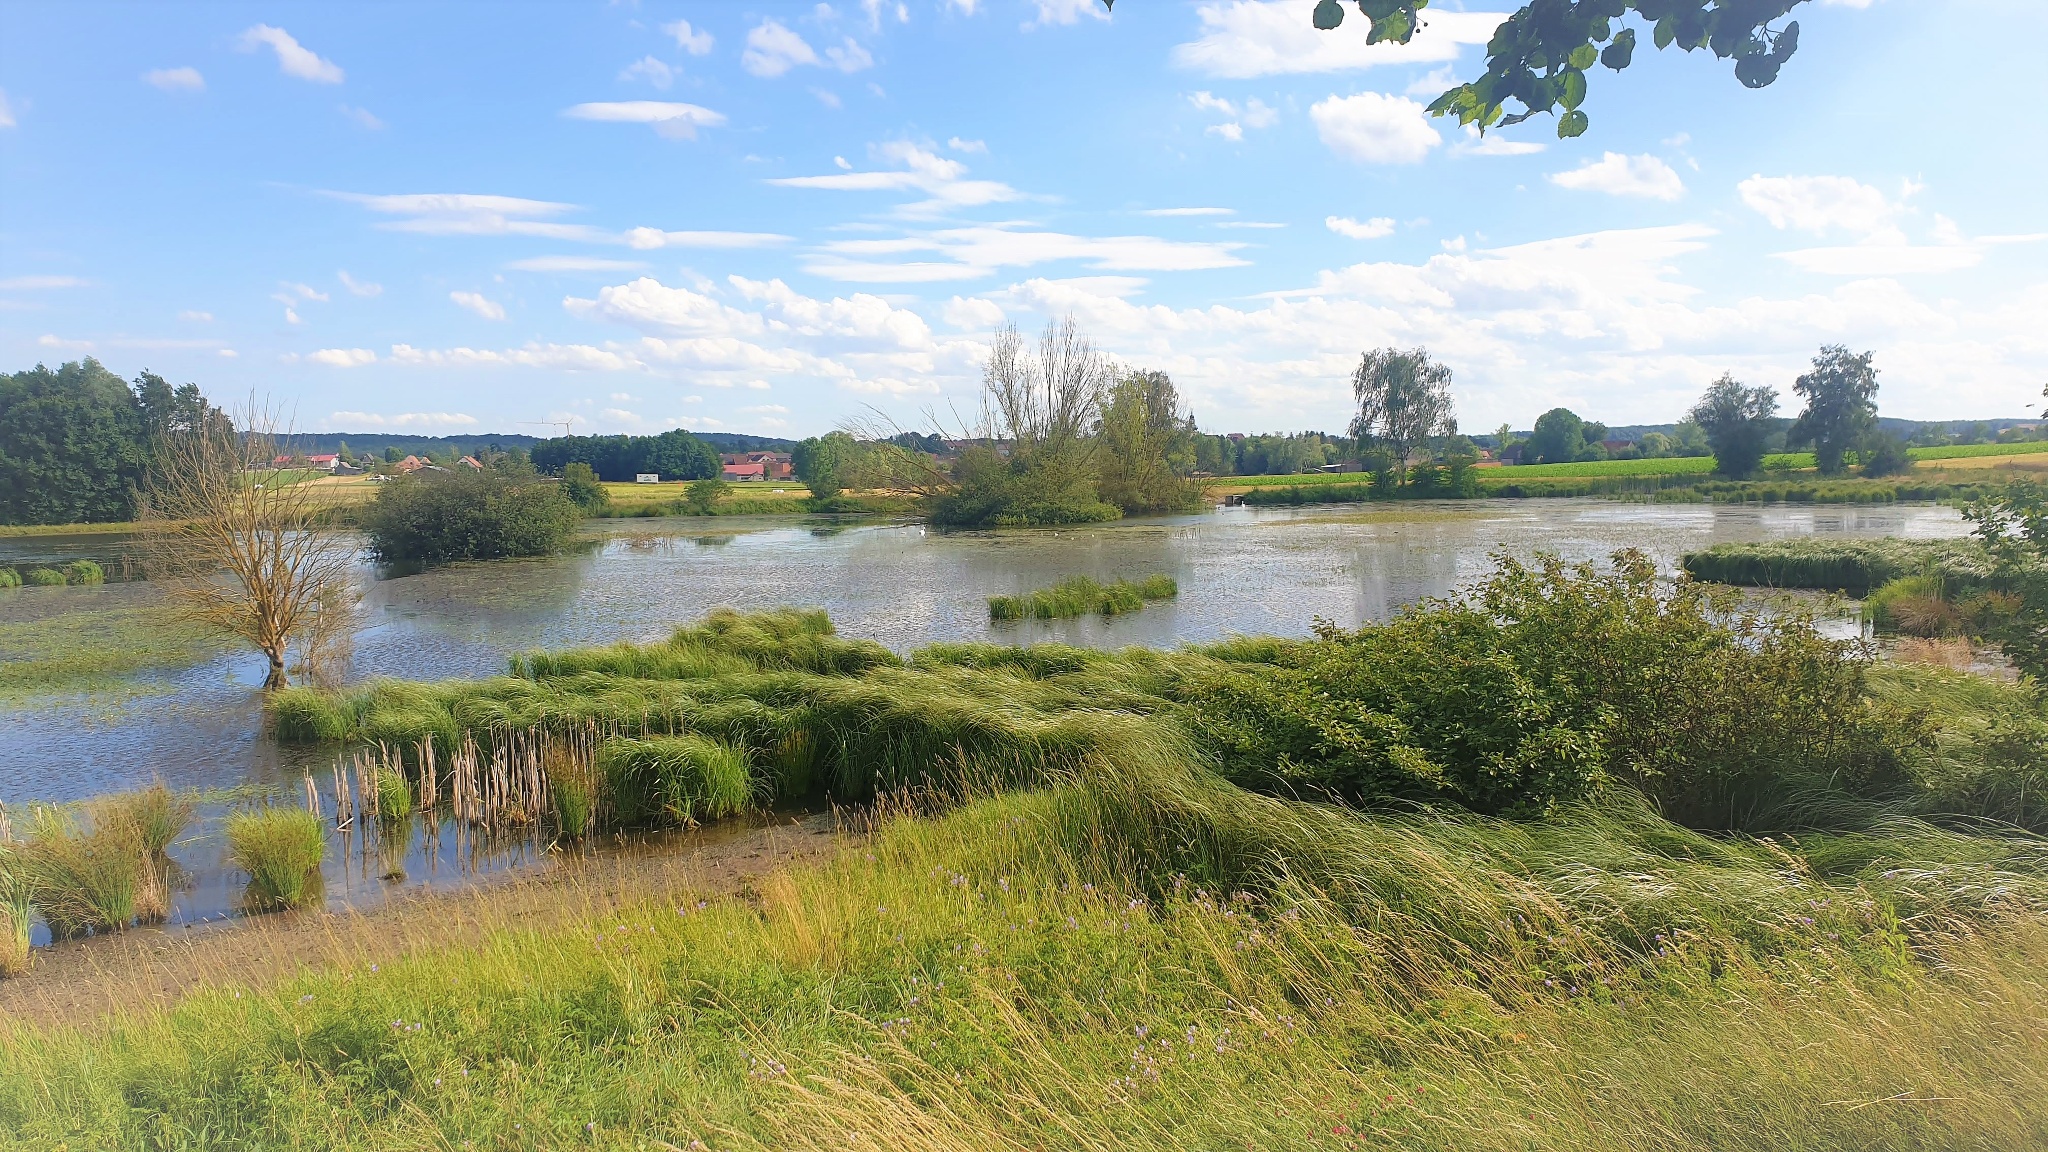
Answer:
(771, 217)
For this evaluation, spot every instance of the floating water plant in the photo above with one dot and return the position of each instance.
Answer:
(281, 850)
(1081, 596)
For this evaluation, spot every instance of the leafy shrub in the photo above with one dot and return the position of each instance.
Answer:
(42, 578)
(9, 578)
(436, 518)
(1545, 684)
(674, 779)
(84, 572)
(991, 492)
(281, 850)
(703, 495)
(583, 489)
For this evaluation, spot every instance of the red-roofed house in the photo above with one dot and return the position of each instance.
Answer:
(325, 462)
(774, 465)
(746, 471)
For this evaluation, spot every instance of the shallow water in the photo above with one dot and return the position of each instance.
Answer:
(1241, 570)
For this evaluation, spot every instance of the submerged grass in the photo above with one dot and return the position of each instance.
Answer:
(94, 640)
(1082, 596)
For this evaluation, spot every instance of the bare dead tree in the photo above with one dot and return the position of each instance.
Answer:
(234, 533)
(1048, 403)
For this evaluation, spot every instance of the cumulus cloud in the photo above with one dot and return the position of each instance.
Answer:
(1496, 144)
(342, 357)
(175, 79)
(292, 295)
(1818, 203)
(959, 145)
(293, 58)
(478, 304)
(692, 40)
(1619, 175)
(772, 49)
(362, 117)
(670, 119)
(1255, 113)
(1245, 38)
(1374, 128)
(1371, 229)
(1048, 12)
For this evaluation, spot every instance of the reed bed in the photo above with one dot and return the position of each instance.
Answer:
(1082, 596)
(1853, 567)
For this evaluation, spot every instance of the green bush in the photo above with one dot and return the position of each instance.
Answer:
(9, 578)
(703, 496)
(682, 780)
(1547, 683)
(281, 850)
(42, 578)
(584, 490)
(84, 572)
(992, 492)
(437, 518)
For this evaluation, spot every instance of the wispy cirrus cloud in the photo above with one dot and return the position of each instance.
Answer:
(670, 119)
(943, 180)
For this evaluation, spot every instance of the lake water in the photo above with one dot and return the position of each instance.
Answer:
(1240, 570)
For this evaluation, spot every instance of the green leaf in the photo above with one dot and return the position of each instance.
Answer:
(1397, 28)
(1618, 54)
(1572, 92)
(1377, 10)
(1328, 14)
(1666, 32)
(1572, 124)
(1583, 56)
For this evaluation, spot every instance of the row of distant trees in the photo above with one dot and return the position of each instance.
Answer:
(76, 442)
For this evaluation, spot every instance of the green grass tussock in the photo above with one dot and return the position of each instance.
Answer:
(674, 779)
(17, 911)
(281, 850)
(1082, 596)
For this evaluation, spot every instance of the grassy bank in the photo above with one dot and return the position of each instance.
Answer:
(1853, 567)
(1057, 970)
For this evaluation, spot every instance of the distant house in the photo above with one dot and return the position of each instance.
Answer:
(1512, 454)
(744, 472)
(1614, 446)
(413, 464)
(774, 465)
(471, 463)
(325, 462)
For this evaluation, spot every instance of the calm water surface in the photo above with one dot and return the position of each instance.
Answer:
(1240, 571)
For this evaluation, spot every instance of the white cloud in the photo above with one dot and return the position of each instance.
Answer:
(1188, 212)
(175, 79)
(959, 145)
(1371, 229)
(400, 420)
(694, 41)
(52, 340)
(650, 305)
(6, 111)
(553, 357)
(979, 250)
(479, 304)
(293, 59)
(826, 97)
(972, 313)
(849, 57)
(938, 177)
(1065, 12)
(363, 117)
(465, 214)
(1230, 132)
(1248, 224)
(573, 264)
(196, 316)
(649, 238)
(772, 49)
(1254, 114)
(1818, 203)
(292, 295)
(670, 119)
(1475, 144)
(776, 409)
(1246, 38)
(359, 287)
(1619, 175)
(342, 357)
(1885, 259)
(649, 68)
(38, 283)
(1374, 128)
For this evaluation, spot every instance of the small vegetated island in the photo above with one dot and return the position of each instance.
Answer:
(1083, 596)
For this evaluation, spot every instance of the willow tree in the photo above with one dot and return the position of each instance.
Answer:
(1404, 402)
(1146, 447)
(234, 533)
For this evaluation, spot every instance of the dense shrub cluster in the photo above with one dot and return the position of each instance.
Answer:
(436, 518)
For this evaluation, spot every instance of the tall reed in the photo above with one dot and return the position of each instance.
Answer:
(17, 910)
